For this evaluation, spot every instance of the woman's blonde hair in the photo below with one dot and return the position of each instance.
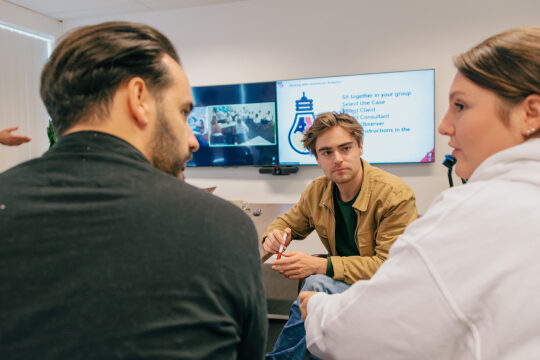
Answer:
(507, 64)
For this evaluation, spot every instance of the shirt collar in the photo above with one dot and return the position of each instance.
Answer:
(96, 142)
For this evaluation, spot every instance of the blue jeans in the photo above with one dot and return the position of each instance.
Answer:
(291, 343)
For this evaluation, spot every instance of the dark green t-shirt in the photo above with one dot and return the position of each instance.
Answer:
(346, 221)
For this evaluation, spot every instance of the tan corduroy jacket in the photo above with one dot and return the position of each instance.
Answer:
(385, 206)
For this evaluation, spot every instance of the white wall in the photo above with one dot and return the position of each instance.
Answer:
(20, 67)
(264, 40)
(29, 20)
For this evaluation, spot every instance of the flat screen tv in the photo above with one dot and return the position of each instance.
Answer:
(396, 110)
(234, 124)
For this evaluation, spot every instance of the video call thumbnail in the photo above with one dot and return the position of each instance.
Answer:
(235, 125)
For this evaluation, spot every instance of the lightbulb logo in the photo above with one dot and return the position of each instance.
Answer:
(302, 122)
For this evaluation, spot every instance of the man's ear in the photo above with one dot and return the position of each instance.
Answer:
(139, 101)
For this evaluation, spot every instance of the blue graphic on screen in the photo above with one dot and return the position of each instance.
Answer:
(302, 122)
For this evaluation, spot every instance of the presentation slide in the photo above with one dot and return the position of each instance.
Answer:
(396, 110)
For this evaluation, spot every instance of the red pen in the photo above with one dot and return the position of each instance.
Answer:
(281, 246)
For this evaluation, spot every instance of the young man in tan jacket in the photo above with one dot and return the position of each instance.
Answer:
(357, 210)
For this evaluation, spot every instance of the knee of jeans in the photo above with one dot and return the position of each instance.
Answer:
(316, 282)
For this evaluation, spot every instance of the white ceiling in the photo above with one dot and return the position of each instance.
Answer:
(73, 9)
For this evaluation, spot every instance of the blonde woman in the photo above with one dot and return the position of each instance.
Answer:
(462, 281)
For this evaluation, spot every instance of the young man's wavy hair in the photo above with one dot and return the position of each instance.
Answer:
(91, 62)
(328, 120)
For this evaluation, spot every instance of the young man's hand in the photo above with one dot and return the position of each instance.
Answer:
(274, 239)
(298, 265)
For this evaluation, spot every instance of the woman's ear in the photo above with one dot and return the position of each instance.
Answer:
(139, 99)
(531, 125)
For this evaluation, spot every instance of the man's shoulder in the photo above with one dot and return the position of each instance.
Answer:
(320, 182)
(20, 171)
(383, 180)
(318, 186)
(212, 216)
(184, 195)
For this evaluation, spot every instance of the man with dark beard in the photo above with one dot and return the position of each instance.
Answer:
(105, 256)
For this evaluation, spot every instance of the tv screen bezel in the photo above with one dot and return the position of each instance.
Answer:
(269, 156)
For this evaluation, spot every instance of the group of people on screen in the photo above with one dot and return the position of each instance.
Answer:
(233, 125)
(106, 253)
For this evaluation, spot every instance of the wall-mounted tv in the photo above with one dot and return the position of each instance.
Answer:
(396, 110)
(234, 124)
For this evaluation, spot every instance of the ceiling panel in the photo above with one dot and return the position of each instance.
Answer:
(72, 9)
